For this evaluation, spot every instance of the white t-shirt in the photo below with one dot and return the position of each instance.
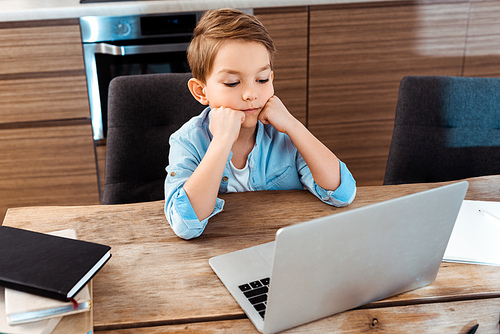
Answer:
(239, 179)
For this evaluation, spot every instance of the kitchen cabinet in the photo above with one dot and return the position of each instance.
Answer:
(337, 69)
(46, 148)
(482, 53)
(289, 29)
(358, 55)
(41, 71)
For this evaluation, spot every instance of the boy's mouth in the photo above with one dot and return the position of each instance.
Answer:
(251, 110)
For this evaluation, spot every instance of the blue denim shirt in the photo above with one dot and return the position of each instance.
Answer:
(274, 162)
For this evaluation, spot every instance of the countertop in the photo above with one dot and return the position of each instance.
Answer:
(25, 10)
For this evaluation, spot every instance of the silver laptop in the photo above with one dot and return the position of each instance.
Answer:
(339, 262)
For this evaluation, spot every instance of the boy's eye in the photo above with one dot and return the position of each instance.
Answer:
(262, 81)
(231, 84)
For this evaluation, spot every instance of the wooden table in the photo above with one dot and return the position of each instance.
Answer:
(157, 282)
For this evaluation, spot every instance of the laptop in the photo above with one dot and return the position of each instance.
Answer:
(332, 264)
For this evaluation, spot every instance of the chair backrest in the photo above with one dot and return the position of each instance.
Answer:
(143, 111)
(446, 128)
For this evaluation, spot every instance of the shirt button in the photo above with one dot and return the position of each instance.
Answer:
(172, 174)
(225, 179)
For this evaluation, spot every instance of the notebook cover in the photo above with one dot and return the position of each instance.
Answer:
(43, 264)
(22, 307)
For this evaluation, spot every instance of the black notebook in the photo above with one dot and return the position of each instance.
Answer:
(47, 265)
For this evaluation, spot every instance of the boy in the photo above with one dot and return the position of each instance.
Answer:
(245, 139)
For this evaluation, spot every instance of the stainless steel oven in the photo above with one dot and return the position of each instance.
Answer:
(127, 45)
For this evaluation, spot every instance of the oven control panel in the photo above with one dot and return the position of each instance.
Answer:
(113, 28)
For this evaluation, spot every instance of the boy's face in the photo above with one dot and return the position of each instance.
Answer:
(241, 79)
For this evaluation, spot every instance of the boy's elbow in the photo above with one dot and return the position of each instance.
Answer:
(346, 191)
(340, 197)
(183, 229)
(185, 233)
(345, 196)
(346, 202)
(182, 218)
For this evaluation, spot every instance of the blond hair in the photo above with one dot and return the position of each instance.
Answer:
(215, 28)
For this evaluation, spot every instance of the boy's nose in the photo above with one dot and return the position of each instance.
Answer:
(249, 95)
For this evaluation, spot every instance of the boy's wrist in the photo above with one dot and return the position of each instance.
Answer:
(293, 126)
(222, 142)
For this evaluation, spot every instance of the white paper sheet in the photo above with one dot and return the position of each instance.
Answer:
(476, 236)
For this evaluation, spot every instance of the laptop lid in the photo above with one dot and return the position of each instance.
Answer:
(335, 263)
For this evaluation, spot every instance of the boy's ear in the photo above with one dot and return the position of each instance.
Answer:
(197, 89)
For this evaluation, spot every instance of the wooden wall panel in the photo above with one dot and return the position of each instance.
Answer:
(358, 55)
(482, 56)
(44, 98)
(42, 73)
(288, 28)
(46, 146)
(29, 49)
(51, 165)
(362, 145)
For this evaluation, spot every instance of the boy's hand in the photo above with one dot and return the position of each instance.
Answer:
(276, 114)
(226, 123)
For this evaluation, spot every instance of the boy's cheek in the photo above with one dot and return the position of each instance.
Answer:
(269, 96)
(271, 93)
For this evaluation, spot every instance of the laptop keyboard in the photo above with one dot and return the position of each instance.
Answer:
(256, 293)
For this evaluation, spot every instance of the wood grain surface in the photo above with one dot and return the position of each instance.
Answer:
(482, 56)
(454, 317)
(52, 164)
(42, 73)
(358, 56)
(46, 147)
(155, 278)
(44, 98)
(40, 49)
(289, 31)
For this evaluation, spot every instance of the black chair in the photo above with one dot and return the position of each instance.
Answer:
(446, 128)
(143, 111)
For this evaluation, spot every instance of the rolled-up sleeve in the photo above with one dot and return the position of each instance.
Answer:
(182, 218)
(187, 148)
(342, 196)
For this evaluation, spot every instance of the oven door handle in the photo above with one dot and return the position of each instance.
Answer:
(125, 50)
